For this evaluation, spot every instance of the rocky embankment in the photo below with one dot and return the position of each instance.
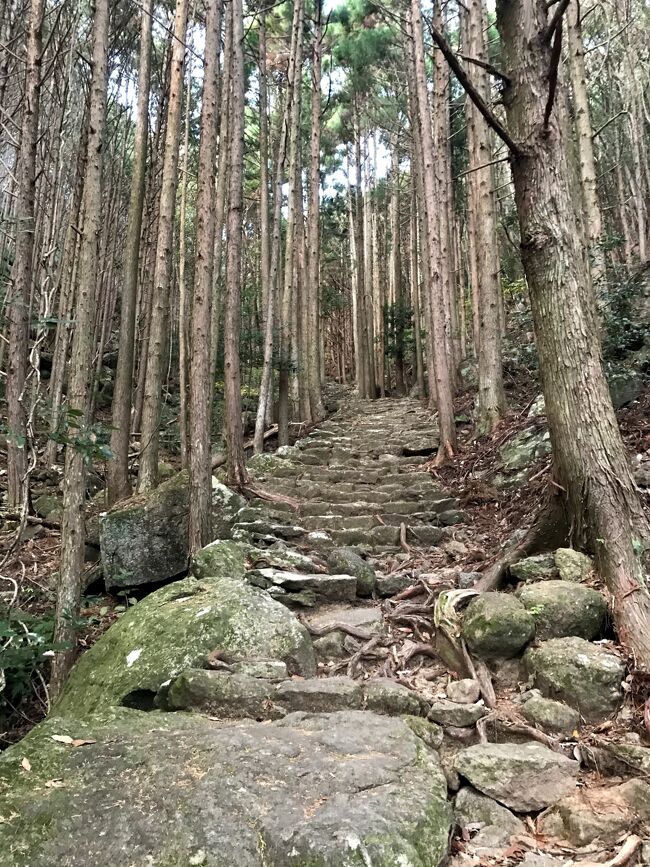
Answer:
(325, 689)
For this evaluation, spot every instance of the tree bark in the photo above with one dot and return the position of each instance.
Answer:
(158, 337)
(72, 526)
(200, 469)
(118, 482)
(590, 462)
(22, 270)
(444, 397)
(234, 434)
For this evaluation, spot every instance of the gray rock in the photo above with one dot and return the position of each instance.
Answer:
(143, 539)
(331, 587)
(333, 790)
(466, 691)
(573, 565)
(551, 716)
(49, 506)
(526, 447)
(267, 669)
(587, 677)
(468, 579)
(389, 585)
(175, 628)
(383, 695)
(429, 732)
(562, 608)
(602, 813)
(224, 557)
(332, 644)
(524, 777)
(541, 567)
(495, 822)
(625, 386)
(222, 694)
(497, 625)
(449, 713)
(347, 561)
(618, 760)
(320, 694)
(540, 859)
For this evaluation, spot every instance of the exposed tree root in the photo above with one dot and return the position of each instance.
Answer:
(252, 491)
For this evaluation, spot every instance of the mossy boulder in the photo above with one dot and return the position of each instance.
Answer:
(550, 716)
(173, 790)
(496, 823)
(573, 565)
(496, 625)
(587, 677)
(540, 567)
(225, 557)
(525, 448)
(174, 629)
(347, 561)
(562, 608)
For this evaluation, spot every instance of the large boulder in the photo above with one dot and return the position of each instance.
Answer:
(539, 567)
(143, 540)
(551, 716)
(562, 608)
(175, 628)
(348, 561)
(331, 790)
(587, 677)
(496, 625)
(524, 777)
(599, 813)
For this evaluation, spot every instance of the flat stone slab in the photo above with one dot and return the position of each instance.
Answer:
(333, 790)
(332, 587)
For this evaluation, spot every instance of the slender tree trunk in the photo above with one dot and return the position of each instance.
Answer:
(158, 338)
(22, 271)
(183, 300)
(415, 294)
(485, 248)
(234, 434)
(119, 485)
(584, 137)
(265, 248)
(590, 462)
(200, 524)
(72, 527)
(312, 293)
(395, 266)
(289, 294)
(444, 397)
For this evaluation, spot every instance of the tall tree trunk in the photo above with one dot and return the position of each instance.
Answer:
(444, 397)
(485, 248)
(200, 468)
(395, 266)
(22, 271)
(72, 527)
(590, 463)
(183, 300)
(584, 137)
(312, 289)
(119, 485)
(289, 293)
(234, 434)
(158, 338)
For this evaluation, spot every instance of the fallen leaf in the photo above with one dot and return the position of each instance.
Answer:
(54, 784)
(26, 764)
(72, 742)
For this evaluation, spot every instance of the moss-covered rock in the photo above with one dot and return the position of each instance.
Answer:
(540, 567)
(144, 539)
(225, 557)
(587, 677)
(573, 565)
(496, 625)
(347, 561)
(562, 608)
(525, 448)
(550, 716)
(174, 629)
(171, 790)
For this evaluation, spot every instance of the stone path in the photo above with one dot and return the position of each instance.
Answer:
(284, 706)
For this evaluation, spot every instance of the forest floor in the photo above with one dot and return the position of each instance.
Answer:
(493, 515)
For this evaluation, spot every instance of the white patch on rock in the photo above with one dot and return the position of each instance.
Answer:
(202, 612)
(133, 657)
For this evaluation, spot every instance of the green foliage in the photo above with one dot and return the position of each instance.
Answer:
(624, 330)
(91, 441)
(26, 642)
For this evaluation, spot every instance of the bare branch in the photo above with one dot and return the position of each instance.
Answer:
(487, 66)
(555, 20)
(475, 96)
(556, 52)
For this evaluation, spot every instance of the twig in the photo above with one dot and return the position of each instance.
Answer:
(354, 660)
(625, 854)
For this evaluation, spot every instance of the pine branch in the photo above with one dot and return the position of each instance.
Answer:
(466, 83)
(496, 73)
(556, 20)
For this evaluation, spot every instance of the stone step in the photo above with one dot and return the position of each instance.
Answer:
(334, 588)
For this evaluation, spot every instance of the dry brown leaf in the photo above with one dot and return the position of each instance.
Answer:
(81, 742)
(54, 784)
(62, 739)
(26, 765)
(72, 742)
